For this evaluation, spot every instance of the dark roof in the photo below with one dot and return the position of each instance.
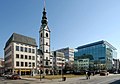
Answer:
(96, 43)
(21, 39)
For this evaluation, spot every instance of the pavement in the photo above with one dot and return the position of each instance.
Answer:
(77, 80)
(58, 81)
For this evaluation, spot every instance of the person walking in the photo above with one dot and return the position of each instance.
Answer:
(88, 74)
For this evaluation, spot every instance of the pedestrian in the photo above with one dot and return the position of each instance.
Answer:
(88, 74)
(93, 73)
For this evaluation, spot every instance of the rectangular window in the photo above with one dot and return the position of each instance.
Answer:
(29, 64)
(22, 64)
(21, 48)
(25, 49)
(25, 56)
(33, 64)
(17, 48)
(29, 57)
(46, 63)
(17, 63)
(33, 50)
(26, 64)
(17, 55)
(21, 56)
(46, 58)
(33, 57)
(29, 50)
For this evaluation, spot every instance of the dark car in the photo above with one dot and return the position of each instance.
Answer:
(15, 76)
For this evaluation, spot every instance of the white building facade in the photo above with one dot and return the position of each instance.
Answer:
(69, 54)
(58, 62)
(20, 55)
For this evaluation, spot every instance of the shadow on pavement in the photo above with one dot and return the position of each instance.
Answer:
(83, 79)
(115, 82)
(28, 79)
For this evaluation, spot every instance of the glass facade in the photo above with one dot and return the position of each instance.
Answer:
(102, 52)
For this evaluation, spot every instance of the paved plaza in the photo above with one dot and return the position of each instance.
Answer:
(111, 79)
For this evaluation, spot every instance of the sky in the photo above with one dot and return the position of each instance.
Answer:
(72, 22)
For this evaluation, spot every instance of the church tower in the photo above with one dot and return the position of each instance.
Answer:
(44, 39)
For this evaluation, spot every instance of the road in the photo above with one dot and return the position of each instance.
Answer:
(111, 79)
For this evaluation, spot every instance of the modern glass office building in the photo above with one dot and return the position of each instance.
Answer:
(102, 52)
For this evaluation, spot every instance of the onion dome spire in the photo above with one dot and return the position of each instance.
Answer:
(44, 18)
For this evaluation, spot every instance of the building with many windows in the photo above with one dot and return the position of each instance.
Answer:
(58, 62)
(1, 65)
(82, 64)
(116, 65)
(69, 54)
(20, 54)
(102, 53)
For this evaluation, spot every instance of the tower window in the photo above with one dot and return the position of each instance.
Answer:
(46, 43)
(46, 34)
(46, 50)
(41, 35)
(46, 63)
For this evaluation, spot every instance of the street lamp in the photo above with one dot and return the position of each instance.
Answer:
(62, 69)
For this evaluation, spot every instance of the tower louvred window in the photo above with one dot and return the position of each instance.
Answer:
(46, 34)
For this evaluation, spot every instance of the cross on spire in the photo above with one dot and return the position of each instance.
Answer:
(44, 3)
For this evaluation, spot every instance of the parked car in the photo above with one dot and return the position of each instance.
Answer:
(104, 73)
(116, 72)
(8, 76)
(15, 76)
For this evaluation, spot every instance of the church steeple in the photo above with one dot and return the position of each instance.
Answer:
(44, 39)
(44, 18)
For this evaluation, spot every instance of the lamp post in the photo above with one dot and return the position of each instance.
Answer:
(40, 73)
(62, 69)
